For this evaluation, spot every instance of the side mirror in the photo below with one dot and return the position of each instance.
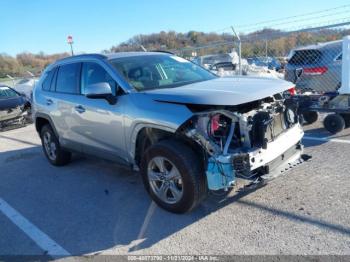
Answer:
(100, 91)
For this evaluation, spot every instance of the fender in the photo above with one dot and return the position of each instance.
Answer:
(46, 117)
(131, 147)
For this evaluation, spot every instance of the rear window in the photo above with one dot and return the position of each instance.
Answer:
(305, 57)
(48, 80)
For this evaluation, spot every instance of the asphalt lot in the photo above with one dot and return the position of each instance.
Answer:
(92, 206)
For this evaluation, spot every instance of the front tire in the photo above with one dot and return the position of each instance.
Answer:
(173, 176)
(52, 149)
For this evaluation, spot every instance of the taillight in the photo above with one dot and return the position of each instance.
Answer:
(315, 70)
(292, 91)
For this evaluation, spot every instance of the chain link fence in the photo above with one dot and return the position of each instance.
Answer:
(309, 57)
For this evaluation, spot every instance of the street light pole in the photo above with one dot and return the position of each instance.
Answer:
(239, 51)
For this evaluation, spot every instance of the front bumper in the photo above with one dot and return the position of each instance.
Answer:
(280, 154)
(278, 148)
(10, 114)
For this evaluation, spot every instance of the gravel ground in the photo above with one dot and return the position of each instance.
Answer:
(92, 206)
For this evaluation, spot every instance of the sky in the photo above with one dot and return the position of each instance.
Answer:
(43, 25)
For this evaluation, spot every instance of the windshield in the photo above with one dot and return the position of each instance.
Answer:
(6, 92)
(159, 71)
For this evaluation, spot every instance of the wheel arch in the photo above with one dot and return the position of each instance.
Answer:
(43, 119)
(144, 132)
(147, 135)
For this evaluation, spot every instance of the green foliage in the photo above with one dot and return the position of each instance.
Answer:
(24, 62)
(275, 42)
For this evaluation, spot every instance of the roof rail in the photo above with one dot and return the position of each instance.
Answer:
(162, 51)
(100, 56)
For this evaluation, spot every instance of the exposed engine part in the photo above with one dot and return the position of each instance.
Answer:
(222, 131)
(236, 143)
(229, 138)
(218, 129)
(241, 163)
(200, 138)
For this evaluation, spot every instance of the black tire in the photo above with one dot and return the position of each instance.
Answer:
(334, 123)
(61, 156)
(346, 118)
(194, 185)
(310, 117)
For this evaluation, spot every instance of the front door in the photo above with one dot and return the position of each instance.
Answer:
(100, 126)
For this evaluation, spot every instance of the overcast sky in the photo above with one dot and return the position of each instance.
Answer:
(43, 25)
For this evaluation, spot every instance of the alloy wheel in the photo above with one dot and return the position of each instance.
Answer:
(50, 146)
(165, 180)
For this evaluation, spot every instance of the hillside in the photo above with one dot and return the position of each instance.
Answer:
(275, 42)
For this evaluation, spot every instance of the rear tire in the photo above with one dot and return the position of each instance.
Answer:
(52, 149)
(190, 182)
(310, 117)
(334, 123)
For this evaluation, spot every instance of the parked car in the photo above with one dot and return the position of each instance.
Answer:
(224, 66)
(14, 107)
(269, 62)
(209, 61)
(186, 130)
(25, 86)
(316, 68)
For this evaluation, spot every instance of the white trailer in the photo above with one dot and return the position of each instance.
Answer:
(337, 104)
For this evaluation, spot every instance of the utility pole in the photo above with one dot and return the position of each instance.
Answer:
(143, 48)
(239, 50)
(13, 80)
(70, 42)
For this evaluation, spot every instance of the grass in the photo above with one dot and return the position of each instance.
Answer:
(6, 80)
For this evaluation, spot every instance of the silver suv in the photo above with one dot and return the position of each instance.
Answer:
(185, 129)
(316, 67)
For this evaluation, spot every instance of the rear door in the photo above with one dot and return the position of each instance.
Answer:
(61, 101)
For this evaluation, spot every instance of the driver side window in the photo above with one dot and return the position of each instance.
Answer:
(93, 73)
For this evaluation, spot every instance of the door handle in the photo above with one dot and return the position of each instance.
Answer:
(49, 102)
(80, 109)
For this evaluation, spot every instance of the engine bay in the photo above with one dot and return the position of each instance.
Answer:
(235, 138)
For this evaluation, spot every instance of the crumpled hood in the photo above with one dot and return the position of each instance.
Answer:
(227, 91)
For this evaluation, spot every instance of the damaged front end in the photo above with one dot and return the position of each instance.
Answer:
(15, 108)
(251, 140)
(18, 115)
